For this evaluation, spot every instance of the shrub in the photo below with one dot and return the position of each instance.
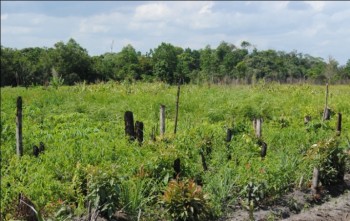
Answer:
(185, 200)
(104, 190)
(330, 159)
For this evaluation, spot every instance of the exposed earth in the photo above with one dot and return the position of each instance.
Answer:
(334, 205)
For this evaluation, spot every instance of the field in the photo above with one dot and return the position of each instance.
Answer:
(88, 160)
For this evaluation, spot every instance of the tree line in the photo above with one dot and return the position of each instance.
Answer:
(168, 63)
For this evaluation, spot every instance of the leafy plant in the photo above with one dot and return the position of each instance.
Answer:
(185, 200)
(330, 159)
(136, 193)
(104, 191)
(253, 194)
(56, 80)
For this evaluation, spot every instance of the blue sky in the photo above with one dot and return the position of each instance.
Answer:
(321, 29)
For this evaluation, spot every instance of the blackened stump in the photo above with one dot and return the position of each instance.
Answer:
(36, 151)
(228, 135)
(204, 164)
(129, 125)
(339, 124)
(177, 167)
(139, 131)
(19, 143)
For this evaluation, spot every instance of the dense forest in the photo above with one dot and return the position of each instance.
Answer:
(69, 63)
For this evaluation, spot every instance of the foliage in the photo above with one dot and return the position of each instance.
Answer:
(330, 159)
(56, 81)
(185, 200)
(168, 63)
(87, 157)
(103, 189)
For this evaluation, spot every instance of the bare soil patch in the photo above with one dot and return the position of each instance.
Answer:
(332, 205)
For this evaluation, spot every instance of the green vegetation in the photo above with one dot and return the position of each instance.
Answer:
(167, 63)
(88, 160)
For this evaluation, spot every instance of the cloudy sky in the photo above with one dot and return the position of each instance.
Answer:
(321, 29)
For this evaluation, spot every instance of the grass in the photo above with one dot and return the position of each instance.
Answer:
(83, 124)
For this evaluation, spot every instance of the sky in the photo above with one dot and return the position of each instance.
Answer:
(318, 28)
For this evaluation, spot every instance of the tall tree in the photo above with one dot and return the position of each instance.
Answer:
(165, 62)
(188, 61)
(8, 68)
(72, 62)
(127, 64)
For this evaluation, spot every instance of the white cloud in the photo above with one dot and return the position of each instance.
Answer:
(317, 5)
(206, 9)
(319, 27)
(4, 17)
(152, 12)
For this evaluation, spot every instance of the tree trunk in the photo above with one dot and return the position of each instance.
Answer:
(263, 149)
(339, 124)
(177, 167)
(139, 131)
(177, 107)
(162, 120)
(228, 135)
(315, 177)
(257, 127)
(327, 111)
(204, 164)
(129, 125)
(19, 142)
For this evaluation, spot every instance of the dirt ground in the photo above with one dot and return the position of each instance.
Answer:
(335, 206)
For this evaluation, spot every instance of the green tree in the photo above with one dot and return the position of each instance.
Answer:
(165, 62)
(346, 71)
(72, 62)
(127, 64)
(208, 63)
(145, 67)
(8, 72)
(188, 62)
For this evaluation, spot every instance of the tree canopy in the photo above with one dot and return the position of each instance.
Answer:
(168, 63)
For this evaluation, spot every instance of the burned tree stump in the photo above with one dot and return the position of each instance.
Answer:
(257, 127)
(204, 164)
(153, 133)
(177, 168)
(326, 113)
(36, 151)
(177, 106)
(228, 135)
(19, 140)
(315, 179)
(339, 124)
(129, 125)
(263, 150)
(228, 139)
(263, 146)
(139, 131)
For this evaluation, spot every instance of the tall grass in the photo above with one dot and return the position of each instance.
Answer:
(84, 124)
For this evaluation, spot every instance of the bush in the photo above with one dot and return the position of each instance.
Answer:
(103, 190)
(185, 200)
(330, 159)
